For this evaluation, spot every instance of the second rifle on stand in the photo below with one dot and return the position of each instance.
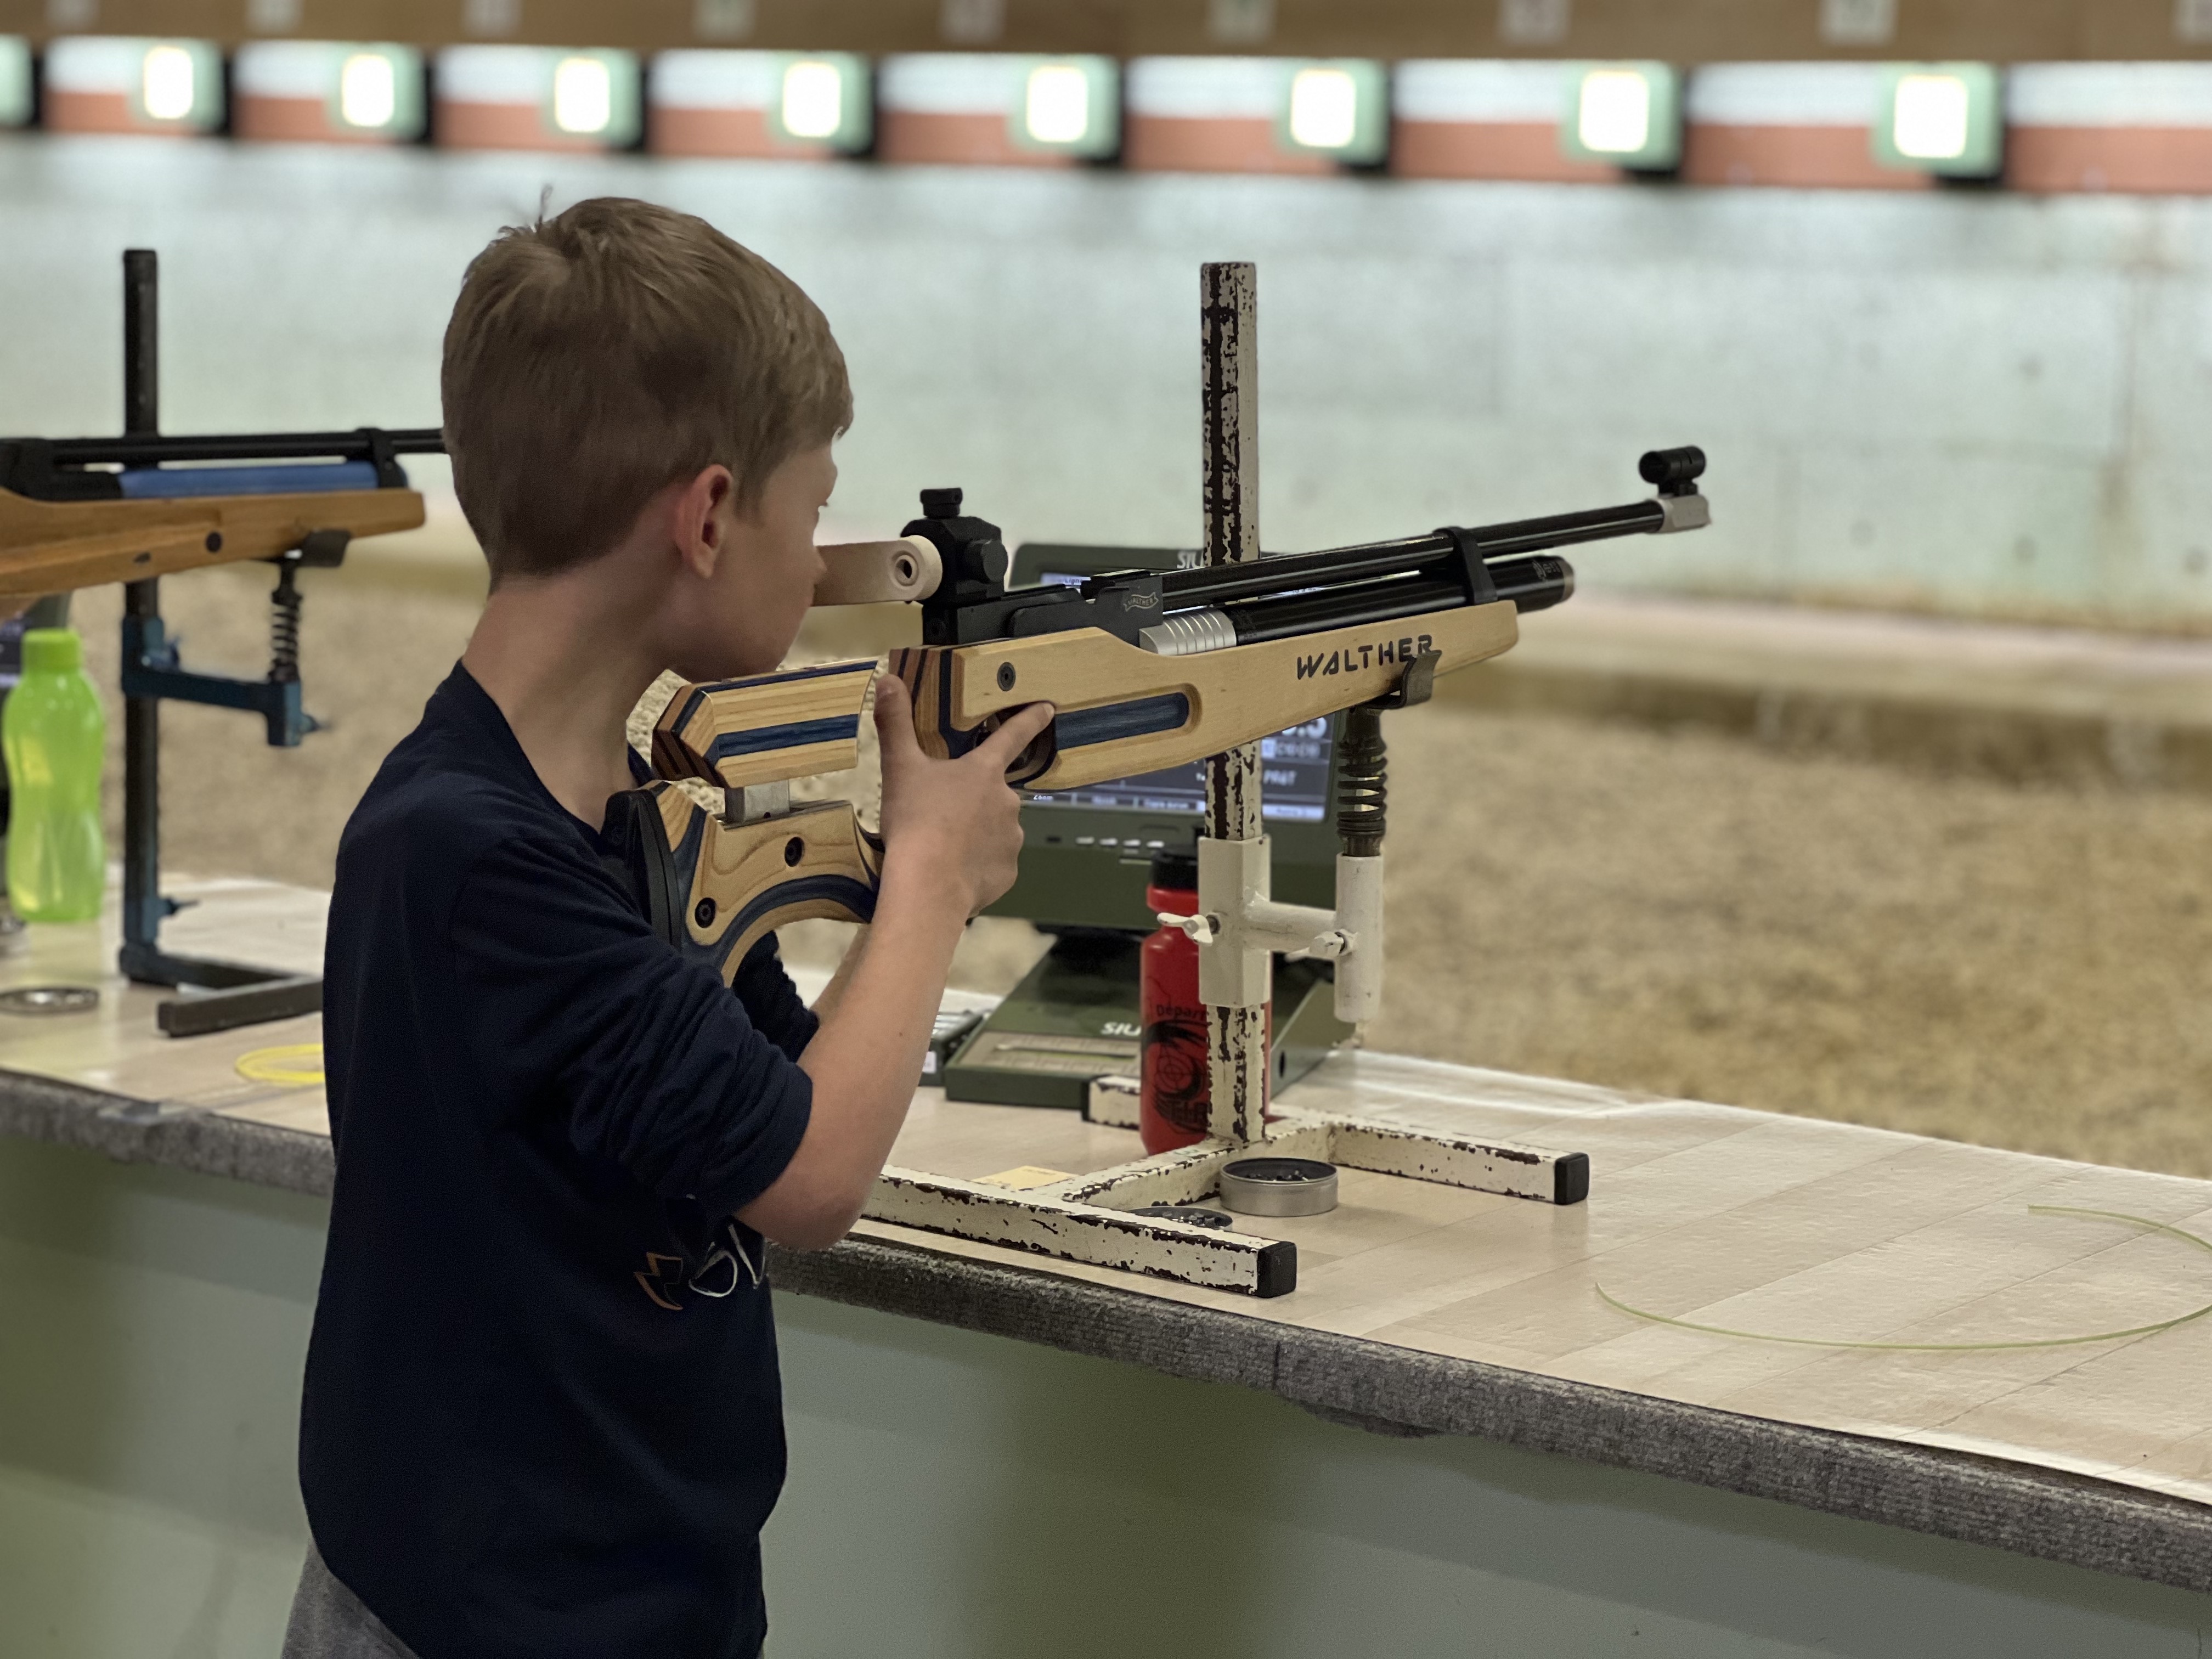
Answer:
(222, 995)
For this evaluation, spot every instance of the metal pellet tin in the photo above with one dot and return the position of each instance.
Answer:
(50, 999)
(1279, 1185)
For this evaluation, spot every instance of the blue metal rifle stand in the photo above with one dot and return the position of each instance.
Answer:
(227, 994)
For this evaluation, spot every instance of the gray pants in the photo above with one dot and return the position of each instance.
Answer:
(329, 1622)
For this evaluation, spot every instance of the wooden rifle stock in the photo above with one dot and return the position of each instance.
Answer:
(1122, 709)
(69, 520)
(715, 883)
(714, 886)
(55, 547)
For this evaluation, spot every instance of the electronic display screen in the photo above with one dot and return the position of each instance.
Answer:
(1293, 782)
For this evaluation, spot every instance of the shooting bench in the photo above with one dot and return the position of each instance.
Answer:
(1424, 1310)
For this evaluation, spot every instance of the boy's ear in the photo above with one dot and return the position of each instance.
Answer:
(704, 513)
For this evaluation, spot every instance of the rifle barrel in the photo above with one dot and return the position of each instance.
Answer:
(1273, 578)
(1535, 583)
(360, 445)
(1341, 607)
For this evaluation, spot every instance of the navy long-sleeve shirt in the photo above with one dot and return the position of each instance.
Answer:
(542, 1414)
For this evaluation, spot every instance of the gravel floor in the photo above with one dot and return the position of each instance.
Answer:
(1674, 912)
(1690, 915)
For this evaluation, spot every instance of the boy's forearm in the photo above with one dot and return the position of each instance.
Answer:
(866, 1058)
(879, 1021)
(834, 993)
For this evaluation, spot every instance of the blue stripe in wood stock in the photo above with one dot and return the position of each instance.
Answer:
(858, 898)
(795, 735)
(691, 708)
(698, 696)
(149, 482)
(956, 742)
(1081, 727)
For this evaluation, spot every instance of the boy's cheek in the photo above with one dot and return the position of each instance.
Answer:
(717, 642)
(753, 631)
(751, 613)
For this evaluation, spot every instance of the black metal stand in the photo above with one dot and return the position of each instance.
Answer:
(226, 995)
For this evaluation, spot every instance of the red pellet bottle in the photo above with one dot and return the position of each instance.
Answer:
(1172, 1102)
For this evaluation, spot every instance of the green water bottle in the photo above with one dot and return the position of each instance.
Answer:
(54, 735)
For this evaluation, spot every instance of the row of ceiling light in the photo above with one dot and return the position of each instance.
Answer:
(1941, 119)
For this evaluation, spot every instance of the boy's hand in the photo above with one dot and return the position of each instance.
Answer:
(953, 832)
(954, 823)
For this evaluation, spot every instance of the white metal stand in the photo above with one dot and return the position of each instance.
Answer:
(1239, 928)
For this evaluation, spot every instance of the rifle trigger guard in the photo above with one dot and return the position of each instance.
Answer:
(1035, 760)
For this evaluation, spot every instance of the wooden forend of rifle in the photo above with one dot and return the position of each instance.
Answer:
(1123, 710)
(55, 547)
(738, 881)
(764, 729)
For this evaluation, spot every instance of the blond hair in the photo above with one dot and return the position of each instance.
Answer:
(596, 358)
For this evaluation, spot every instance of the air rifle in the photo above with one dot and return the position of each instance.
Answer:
(1146, 669)
(80, 512)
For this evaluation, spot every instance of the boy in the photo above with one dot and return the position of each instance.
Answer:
(542, 1413)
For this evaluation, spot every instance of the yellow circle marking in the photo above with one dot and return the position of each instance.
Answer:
(295, 1065)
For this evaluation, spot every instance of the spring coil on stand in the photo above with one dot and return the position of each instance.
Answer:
(284, 624)
(1362, 793)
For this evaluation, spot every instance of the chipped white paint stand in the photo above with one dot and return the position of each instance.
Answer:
(1089, 1218)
